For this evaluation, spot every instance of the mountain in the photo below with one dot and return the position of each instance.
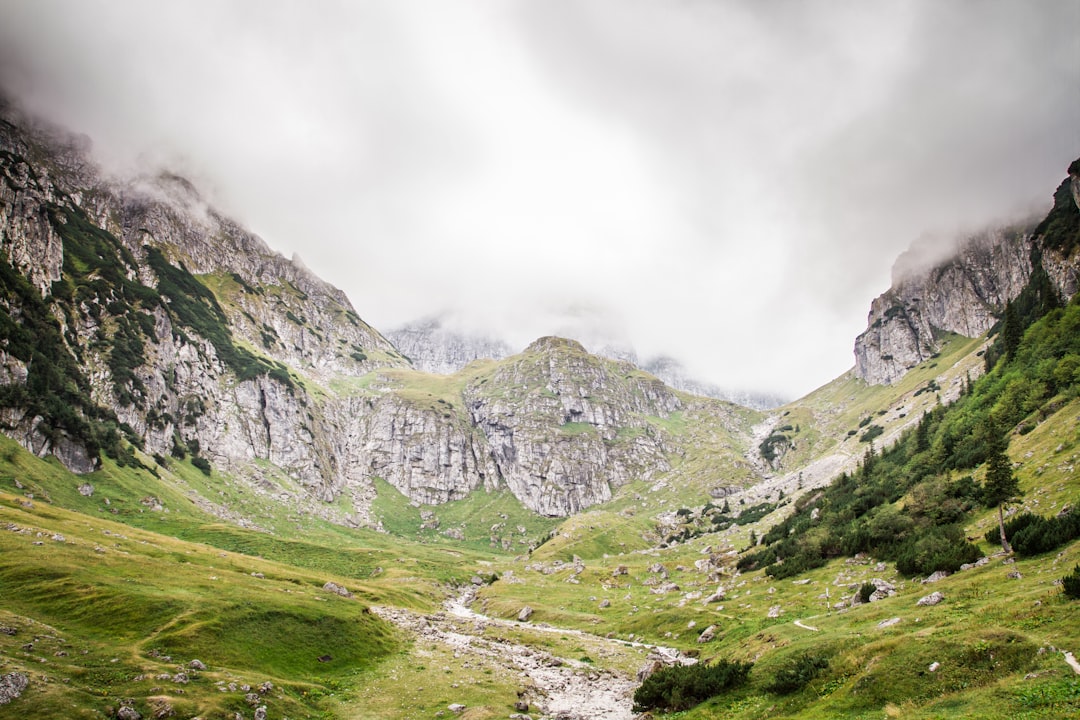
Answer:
(170, 330)
(967, 294)
(435, 348)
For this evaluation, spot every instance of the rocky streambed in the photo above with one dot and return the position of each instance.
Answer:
(558, 687)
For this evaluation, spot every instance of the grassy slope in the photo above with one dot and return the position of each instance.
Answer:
(97, 598)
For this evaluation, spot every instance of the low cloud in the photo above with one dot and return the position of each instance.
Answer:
(728, 183)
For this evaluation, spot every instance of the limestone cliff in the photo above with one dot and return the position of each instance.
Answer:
(967, 293)
(133, 313)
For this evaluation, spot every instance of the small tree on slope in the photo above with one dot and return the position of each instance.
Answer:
(1000, 486)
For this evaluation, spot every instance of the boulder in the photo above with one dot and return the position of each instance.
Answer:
(932, 599)
(12, 686)
(525, 614)
(708, 634)
(337, 589)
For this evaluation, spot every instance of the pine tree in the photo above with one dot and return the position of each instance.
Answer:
(1000, 486)
(1011, 331)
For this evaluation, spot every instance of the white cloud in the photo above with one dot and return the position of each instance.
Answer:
(726, 182)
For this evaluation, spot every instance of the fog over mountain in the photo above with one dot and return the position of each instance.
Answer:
(729, 182)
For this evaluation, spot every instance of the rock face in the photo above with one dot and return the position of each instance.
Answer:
(565, 427)
(964, 295)
(967, 293)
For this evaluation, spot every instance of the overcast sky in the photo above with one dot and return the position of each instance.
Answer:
(725, 182)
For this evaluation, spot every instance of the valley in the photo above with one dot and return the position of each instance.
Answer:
(225, 495)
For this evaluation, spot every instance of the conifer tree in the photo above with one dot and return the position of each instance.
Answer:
(1000, 486)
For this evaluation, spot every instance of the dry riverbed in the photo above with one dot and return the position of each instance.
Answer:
(552, 685)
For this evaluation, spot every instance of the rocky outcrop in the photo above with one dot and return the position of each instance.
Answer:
(964, 295)
(967, 293)
(565, 427)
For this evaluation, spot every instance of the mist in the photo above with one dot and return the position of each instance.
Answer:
(727, 183)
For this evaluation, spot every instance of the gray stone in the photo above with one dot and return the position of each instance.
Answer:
(525, 613)
(708, 634)
(333, 587)
(932, 599)
(12, 686)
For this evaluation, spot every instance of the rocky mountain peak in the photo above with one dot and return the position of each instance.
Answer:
(967, 292)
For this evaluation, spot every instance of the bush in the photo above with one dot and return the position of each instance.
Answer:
(940, 548)
(681, 687)
(1071, 584)
(202, 463)
(1032, 534)
(865, 591)
(798, 672)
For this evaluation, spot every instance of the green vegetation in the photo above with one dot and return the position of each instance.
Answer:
(1032, 534)
(680, 687)
(908, 503)
(1071, 584)
(797, 672)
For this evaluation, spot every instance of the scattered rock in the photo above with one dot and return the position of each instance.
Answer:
(888, 623)
(934, 666)
(337, 589)
(605, 603)
(978, 563)
(707, 635)
(325, 658)
(127, 712)
(456, 708)
(86, 489)
(180, 678)
(258, 575)
(196, 665)
(775, 611)
(932, 599)
(525, 614)
(260, 712)
(939, 575)
(12, 686)
(1015, 575)
(266, 687)
(620, 570)
(161, 708)
(252, 699)
(521, 706)
(651, 666)
(716, 597)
